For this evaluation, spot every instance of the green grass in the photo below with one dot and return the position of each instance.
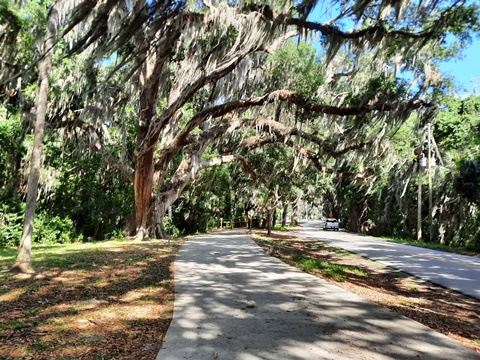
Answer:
(7, 253)
(335, 271)
(43, 346)
(281, 228)
(408, 303)
(14, 325)
(67, 256)
(338, 252)
(433, 246)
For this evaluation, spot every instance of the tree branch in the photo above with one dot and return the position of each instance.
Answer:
(225, 159)
(257, 142)
(378, 31)
(94, 140)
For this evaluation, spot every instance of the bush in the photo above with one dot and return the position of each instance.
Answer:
(10, 228)
(174, 232)
(53, 230)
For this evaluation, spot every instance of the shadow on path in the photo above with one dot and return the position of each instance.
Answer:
(234, 302)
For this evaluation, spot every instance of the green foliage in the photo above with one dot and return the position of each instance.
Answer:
(386, 87)
(97, 199)
(457, 125)
(12, 153)
(48, 230)
(280, 228)
(468, 180)
(203, 204)
(170, 228)
(9, 16)
(463, 20)
(301, 60)
(452, 247)
(10, 227)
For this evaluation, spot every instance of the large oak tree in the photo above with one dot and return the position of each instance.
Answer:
(199, 76)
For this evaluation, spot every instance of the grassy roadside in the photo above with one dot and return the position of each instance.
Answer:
(433, 246)
(445, 311)
(106, 300)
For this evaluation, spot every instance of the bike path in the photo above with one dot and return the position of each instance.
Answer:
(232, 301)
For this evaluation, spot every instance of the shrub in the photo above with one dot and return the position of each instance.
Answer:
(10, 228)
(53, 230)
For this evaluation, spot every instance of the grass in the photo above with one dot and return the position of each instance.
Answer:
(335, 271)
(433, 246)
(408, 303)
(281, 228)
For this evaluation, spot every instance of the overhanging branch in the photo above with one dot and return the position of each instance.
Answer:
(225, 159)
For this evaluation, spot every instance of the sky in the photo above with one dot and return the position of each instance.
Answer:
(465, 69)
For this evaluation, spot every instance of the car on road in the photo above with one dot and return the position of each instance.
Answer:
(331, 224)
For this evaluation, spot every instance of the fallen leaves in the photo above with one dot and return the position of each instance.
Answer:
(107, 303)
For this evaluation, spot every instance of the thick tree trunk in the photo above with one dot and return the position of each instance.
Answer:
(146, 139)
(143, 185)
(23, 262)
(355, 218)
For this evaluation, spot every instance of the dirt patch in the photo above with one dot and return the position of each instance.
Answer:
(443, 310)
(106, 303)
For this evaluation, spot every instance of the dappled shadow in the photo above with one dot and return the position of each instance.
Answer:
(235, 302)
(90, 306)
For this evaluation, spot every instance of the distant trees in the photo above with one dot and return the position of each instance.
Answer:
(387, 203)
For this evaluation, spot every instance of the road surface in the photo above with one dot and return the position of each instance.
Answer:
(453, 271)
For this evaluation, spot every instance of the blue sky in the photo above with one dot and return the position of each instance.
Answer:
(463, 70)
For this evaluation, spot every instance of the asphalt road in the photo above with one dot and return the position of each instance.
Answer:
(457, 272)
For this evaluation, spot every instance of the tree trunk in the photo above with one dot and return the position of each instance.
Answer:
(269, 220)
(145, 143)
(163, 201)
(143, 184)
(23, 262)
(284, 215)
(170, 192)
(294, 220)
(355, 218)
(274, 217)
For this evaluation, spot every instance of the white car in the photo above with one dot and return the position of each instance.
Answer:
(331, 224)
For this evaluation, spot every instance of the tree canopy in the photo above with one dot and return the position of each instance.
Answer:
(163, 91)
